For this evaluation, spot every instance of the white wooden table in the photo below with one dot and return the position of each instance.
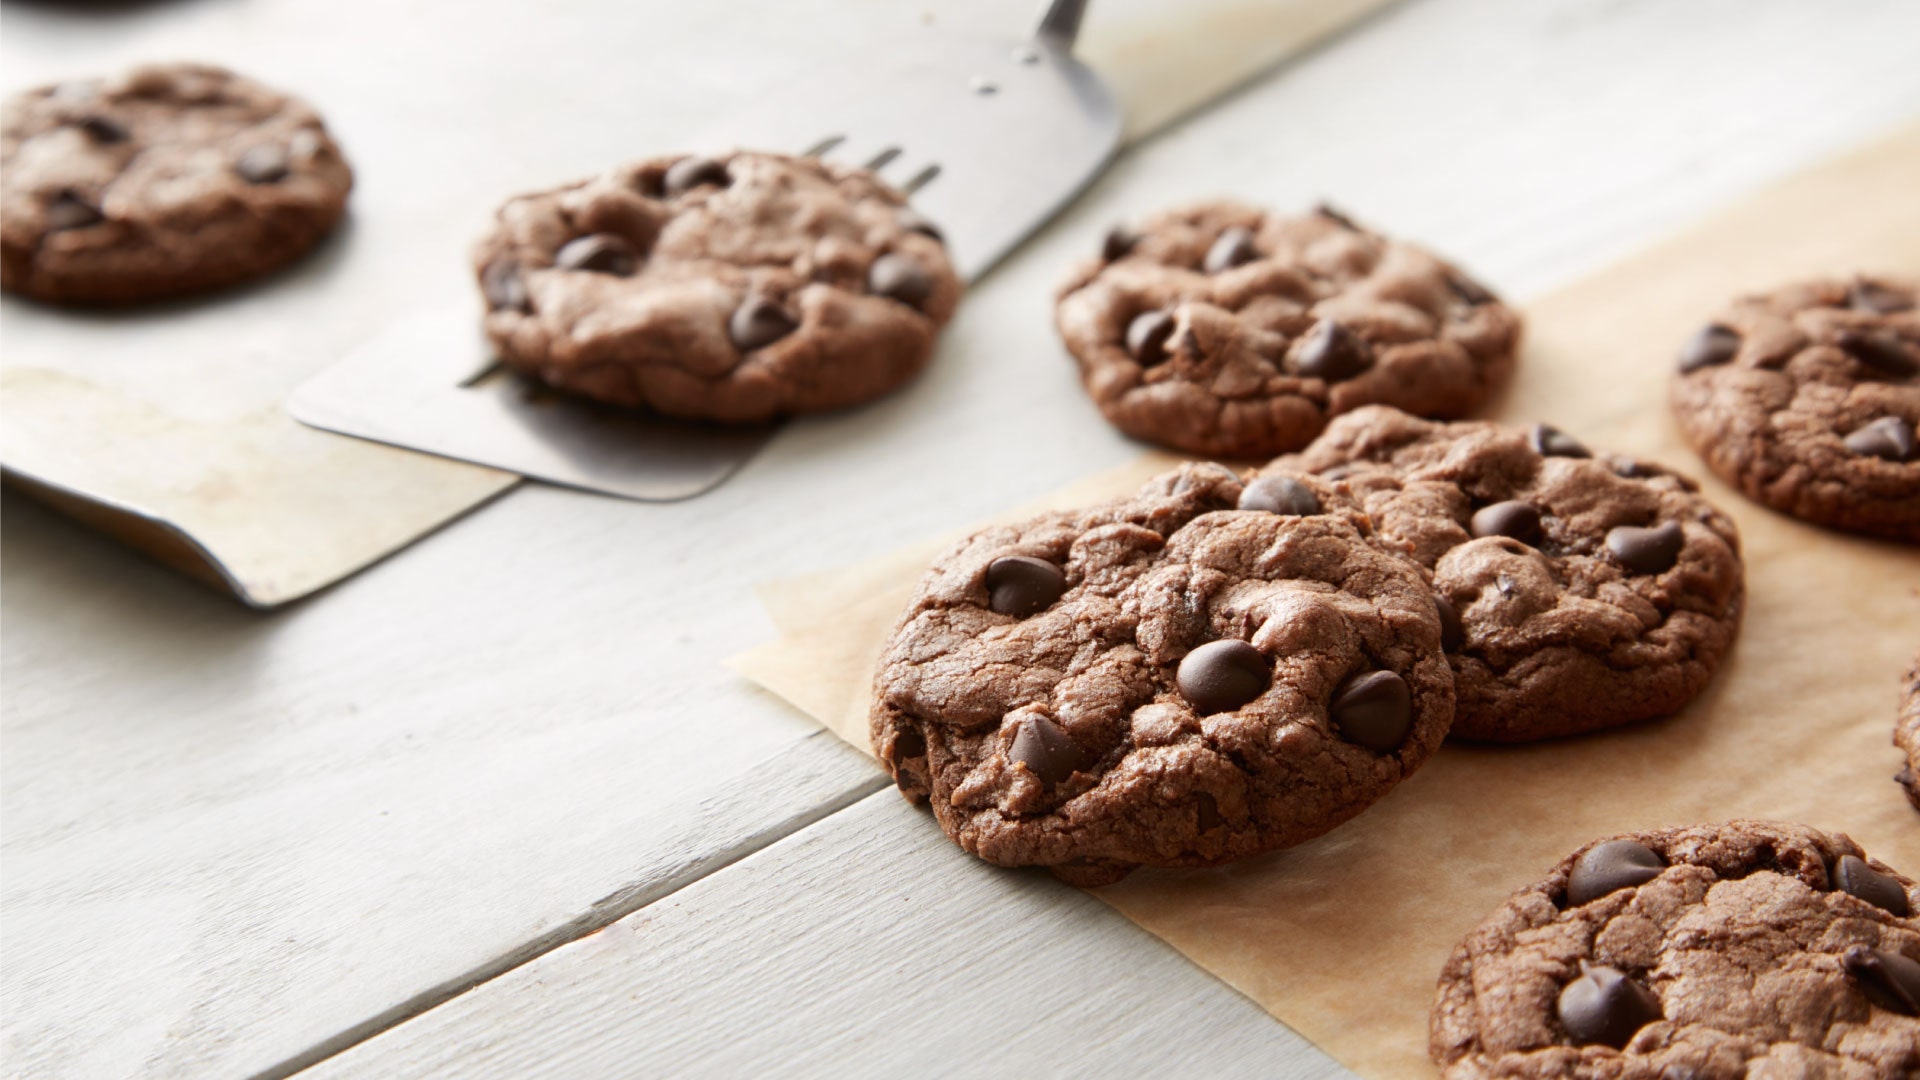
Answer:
(495, 808)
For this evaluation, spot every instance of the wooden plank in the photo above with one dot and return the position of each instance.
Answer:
(768, 968)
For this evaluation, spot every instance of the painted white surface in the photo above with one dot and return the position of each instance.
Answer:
(229, 839)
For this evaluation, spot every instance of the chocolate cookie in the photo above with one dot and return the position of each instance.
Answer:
(1719, 952)
(1806, 399)
(170, 179)
(1580, 592)
(1224, 330)
(1194, 673)
(1906, 733)
(736, 288)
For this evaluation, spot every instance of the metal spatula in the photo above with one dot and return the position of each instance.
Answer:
(990, 137)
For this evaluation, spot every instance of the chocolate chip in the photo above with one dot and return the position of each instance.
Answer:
(909, 744)
(1147, 337)
(1207, 811)
(1020, 585)
(69, 211)
(1889, 979)
(691, 172)
(1453, 633)
(1712, 345)
(1609, 867)
(1280, 495)
(1118, 242)
(899, 278)
(1233, 248)
(1336, 217)
(263, 164)
(1468, 289)
(1852, 875)
(1877, 298)
(1221, 676)
(504, 287)
(1889, 437)
(759, 322)
(1514, 518)
(103, 131)
(1605, 1007)
(914, 221)
(1374, 710)
(1550, 441)
(1881, 352)
(601, 253)
(1646, 551)
(1332, 352)
(1043, 747)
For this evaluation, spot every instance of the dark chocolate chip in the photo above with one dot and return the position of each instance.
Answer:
(1374, 710)
(102, 130)
(1337, 217)
(1468, 289)
(1221, 676)
(1514, 518)
(759, 322)
(691, 172)
(1609, 867)
(909, 744)
(601, 253)
(1889, 979)
(264, 164)
(1852, 875)
(504, 287)
(1147, 337)
(1280, 495)
(1881, 352)
(1332, 352)
(1453, 633)
(1889, 437)
(914, 221)
(899, 278)
(69, 211)
(1233, 248)
(1043, 747)
(1646, 551)
(1605, 1007)
(1020, 585)
(1877, 298)
(1712, 345)
(1629, 468)
(1550, 441)
(1118, 242)
(1207, 811)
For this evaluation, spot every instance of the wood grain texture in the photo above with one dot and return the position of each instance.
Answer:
(232, 840)
(991, 973)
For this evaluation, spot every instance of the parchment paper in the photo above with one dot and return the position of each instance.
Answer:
(1343, 937)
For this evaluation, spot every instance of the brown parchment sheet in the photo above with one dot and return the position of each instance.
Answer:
(1343, 937)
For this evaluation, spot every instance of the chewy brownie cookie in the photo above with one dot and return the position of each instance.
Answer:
(1806, 399)
(1224, 330)
(736, 288)
(1718, 952)
(170, 179)
(1197, 672)
(1579, 592)
(1906, 733)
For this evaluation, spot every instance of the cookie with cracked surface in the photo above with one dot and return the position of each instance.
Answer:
(1197, 672)
(736, 288)
(1222, 329)
(167, 180)
(1580, 592)
(1906, 733)
(1715, 952)
(1807, 398)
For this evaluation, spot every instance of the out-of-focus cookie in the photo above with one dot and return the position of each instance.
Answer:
(736, 288)
(1806, 399)
(167, 180)
(1906, 732)
(1224, 330)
